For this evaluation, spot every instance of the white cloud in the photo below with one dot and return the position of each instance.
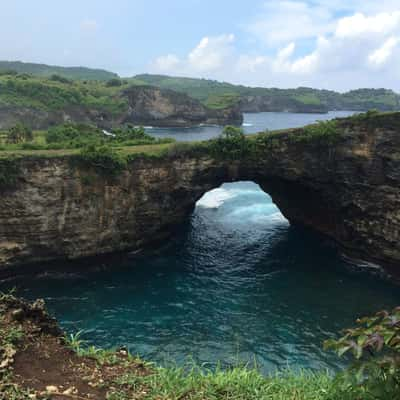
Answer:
(284, 21)
(382, 55)
(359, 50)
(211, 53)
(360, 24)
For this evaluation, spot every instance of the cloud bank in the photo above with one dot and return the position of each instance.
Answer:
(302, 45)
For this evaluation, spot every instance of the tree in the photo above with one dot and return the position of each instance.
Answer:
(114, 82)
(19, 133)
(232, 144)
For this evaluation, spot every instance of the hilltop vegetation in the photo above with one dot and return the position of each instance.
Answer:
(51, 87)
(214, 93)
(57, 92)
(40, 102)
(43, 70)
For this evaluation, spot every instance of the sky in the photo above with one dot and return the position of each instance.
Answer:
(331, 44)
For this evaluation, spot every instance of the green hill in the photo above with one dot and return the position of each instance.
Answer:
(213, 94)
(220, 94)
(44, 70)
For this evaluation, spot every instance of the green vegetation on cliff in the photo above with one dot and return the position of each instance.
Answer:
(214, 93)
(43, 70)
(89, 87)
(74, 136)
(49, 94)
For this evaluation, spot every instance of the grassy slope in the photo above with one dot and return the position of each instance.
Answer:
(51, 94)
(212, 92)
(43, 70)
(158, 149)
(66, 368)
(150, 150)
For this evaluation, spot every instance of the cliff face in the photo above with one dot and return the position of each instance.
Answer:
(43, 119)
(275, 103)
(349, 191)
(144, 106)
(153, 106)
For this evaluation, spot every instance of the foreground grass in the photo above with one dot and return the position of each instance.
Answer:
(237, 383)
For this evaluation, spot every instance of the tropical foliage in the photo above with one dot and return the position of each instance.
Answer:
(374, 345)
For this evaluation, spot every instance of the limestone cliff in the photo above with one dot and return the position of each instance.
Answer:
(349, 191)
(278, 103)
(162, 107)
(144, 105)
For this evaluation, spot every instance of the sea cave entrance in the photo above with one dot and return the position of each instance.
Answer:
(236, 284)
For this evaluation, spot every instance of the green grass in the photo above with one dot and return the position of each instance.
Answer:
(151, 150)
(238, 383)
(214, 94)
(193, 382)
(44, 70)
(49, 94)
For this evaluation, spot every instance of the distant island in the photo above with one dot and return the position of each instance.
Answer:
(40, 95)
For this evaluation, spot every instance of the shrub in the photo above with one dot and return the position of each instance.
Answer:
(103, 159)
(19, 133)
(74, 135)
(59, 78)
(115, 82)
(232, 144)
(375, 346)
(322, 133)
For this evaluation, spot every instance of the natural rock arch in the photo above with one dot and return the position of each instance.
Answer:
(349, 191)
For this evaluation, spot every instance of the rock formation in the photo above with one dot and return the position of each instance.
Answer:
(145, 105)
(349, 191)
(162, 107)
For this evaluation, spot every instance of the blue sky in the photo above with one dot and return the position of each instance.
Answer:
(334, 44)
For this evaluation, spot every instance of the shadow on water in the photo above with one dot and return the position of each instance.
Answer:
(236, 282)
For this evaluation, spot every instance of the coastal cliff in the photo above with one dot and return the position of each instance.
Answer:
(347, 189)
(277, 103)
(42, 103)
(153, 106)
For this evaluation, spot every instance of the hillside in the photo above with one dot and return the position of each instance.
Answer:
(42, 102)
(44, 70)
(220, 94)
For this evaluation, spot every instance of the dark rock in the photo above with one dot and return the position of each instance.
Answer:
(349, 191)
(145, 106)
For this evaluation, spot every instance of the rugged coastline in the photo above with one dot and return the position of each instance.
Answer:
(347, 190)
(138, 105)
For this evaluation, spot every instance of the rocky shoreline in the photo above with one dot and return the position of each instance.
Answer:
(144, 105)
(348, 191)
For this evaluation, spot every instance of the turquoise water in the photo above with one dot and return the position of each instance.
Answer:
(252, 123)
(236, 283)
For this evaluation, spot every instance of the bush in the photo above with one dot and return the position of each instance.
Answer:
(74, 135)
(18, 134)
(59, 78)
(115, 82)
(103, 159)
(375, 346)
(232, 144)
(322, 133)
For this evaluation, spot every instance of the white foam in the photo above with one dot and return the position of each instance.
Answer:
(247, 124)
(215, 198)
